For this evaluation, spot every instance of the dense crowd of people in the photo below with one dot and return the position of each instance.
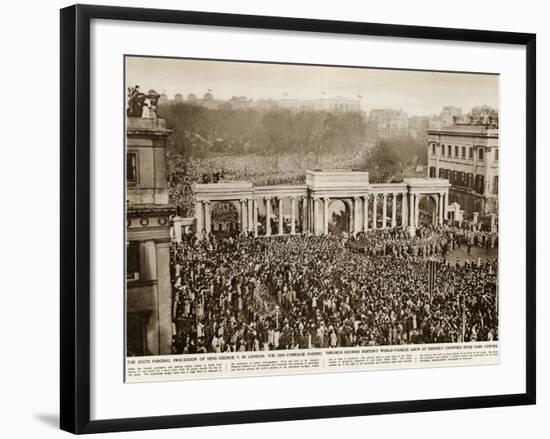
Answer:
(429, 241)
(240, 293)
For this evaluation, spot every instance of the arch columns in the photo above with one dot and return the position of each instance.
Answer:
(356, 227)
(199, 219)
(404, 210)
(366, 213)
(280, 208)
(315, 215)
(374, 199)
(244, 216)
(384, 210)
(304, 214)
(255, 215)
(326, 202)
(292, 215)
(207, 219)
(267, 216)
(250, 218)
(393, 210)
(416, 203)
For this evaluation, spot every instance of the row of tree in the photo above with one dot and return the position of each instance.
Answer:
(198, 131)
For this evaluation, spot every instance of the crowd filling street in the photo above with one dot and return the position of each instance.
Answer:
(241, 293)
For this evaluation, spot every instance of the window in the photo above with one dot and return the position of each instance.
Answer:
(495, 183)
(456, 151)
(463, 152)
(131, 168)
(471, 153)
(442, 149)
(132, 260)
(480, 156)
(450, 150)
(496, 155)
(432, 172)
(433, 149)
(479, 184)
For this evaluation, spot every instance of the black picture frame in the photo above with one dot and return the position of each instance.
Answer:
(75, 217)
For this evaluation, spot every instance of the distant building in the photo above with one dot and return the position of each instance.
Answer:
(449, 115)
(331, 105)
(386, 123)
(148, 286)
(468, 156)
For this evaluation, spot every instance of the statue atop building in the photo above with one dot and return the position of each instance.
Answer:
(141, 104)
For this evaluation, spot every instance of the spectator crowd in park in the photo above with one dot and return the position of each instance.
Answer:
(240, 293)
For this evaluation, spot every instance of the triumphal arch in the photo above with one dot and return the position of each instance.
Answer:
(287, 209)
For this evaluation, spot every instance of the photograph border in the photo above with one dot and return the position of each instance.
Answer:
(75, 272)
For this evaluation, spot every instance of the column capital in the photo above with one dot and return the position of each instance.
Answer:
(292, 197)
(268, 198)
(206, 202)
(242, 200)
(326, 199)
(356, 198)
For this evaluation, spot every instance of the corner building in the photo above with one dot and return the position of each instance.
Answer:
(148, 286)
(467, 155)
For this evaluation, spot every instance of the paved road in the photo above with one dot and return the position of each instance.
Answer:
(476, 252)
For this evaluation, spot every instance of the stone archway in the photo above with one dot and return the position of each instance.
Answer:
(224, 216)
(427, 210)
(339, 217)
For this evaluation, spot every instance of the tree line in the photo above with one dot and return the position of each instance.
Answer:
(199, 131)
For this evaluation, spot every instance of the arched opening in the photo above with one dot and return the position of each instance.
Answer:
(224, 217)
(427, 210)
(339, 217)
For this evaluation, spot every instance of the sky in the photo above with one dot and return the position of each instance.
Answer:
(416, 92)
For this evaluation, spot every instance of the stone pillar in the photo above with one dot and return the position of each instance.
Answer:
(304, 214)
(393, 210)
(374, 199)
(199, 222)
(280, 200)
(404, 210)
(411, 209)
(255, 215)
(292, 215)
(207, 221)
(267, 216)
(177, 228)
(365, 213)
(476, 217)
(148, 272)
(315, 216)
(244, 216)
(325, 215)
(445, 206)
(356, 215)
(164, 303)
(384, 210)
(250, 216)
(416, 213)
(148, 260)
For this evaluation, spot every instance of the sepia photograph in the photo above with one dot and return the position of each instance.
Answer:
(287, 218)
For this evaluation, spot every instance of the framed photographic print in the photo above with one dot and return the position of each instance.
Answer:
(318, 209)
